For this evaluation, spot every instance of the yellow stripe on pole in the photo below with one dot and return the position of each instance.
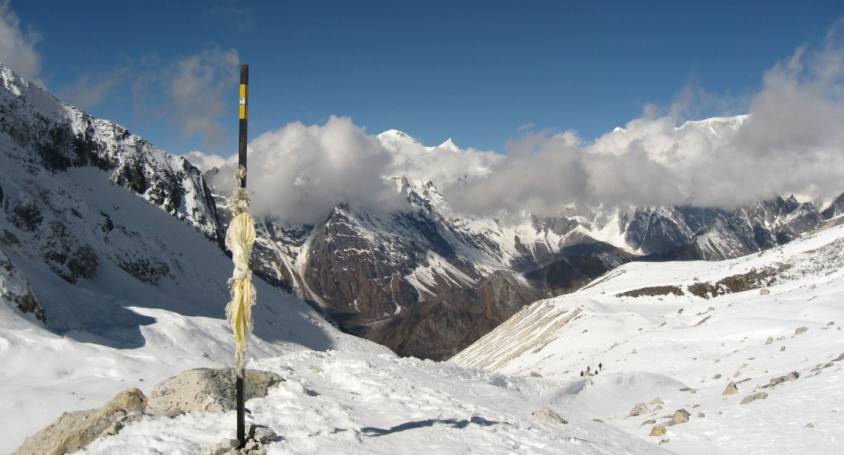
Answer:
(242, 101)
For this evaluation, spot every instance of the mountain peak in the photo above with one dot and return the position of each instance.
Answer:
(449, 145)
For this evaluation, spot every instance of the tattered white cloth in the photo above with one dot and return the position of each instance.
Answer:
(240, 237)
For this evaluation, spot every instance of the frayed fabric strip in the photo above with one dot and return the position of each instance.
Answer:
(240, 237)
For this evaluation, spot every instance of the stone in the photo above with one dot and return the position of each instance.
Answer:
(659, 430)
(264, 434)
(638, 409)
(731, 389)
(764, 291)
(657, 402)
(753, 397)
(206, 389)
(793, 376)
(680, 416)
(75, 430)
(700, 415)
(224, 448)
(648, 422)
(549, 415)
(800, 330)
(770, 340)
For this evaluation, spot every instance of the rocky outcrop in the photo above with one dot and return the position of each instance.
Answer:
(75, 430)
(16, 291)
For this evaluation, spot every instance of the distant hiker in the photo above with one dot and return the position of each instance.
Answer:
(600, 367)
(588, 371)
(581, 373)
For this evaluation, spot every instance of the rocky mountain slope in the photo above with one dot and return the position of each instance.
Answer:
(750, 349)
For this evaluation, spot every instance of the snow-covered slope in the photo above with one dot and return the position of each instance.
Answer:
(110, 275)
(681, 331)
(340, 403)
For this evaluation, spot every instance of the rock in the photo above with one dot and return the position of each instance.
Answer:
(770, 340)
(206, 389)
(549, 415)
(638, 409)
(764, 291)
(717, 376)
(793, 376)
(810, 425)
(658, 430)
(700, 415)
(648, 422)
(223, 448)
(800, 330)
(657, 402)
(266, 435)
(782, 348)
(75, 430)
(753, 397)
(731, 389)
(680, 416)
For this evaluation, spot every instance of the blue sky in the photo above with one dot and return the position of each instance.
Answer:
(479, 72)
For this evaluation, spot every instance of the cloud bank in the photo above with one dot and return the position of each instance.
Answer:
(790, 142)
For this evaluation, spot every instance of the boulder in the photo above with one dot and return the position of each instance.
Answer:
(206, 389)
(549, 415)
(731, 389)
(800, 330)
(638, 409)
(659, 430)
(793, 376)
(75, 430)
(753, 397)
(680, 416)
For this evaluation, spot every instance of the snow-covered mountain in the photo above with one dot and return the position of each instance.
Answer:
(427, 281)
(682, 333)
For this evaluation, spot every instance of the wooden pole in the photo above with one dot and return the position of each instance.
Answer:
(241, 161)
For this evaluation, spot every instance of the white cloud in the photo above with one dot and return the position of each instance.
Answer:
(89, 91)
(197, 87)
(17, 48)
(299, 173)
(792, 142)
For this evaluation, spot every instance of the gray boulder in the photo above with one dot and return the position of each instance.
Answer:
(206, 389)
(638, 409)
(753, 397)
(549, 415)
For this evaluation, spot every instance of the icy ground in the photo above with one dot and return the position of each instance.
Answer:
(684, 349)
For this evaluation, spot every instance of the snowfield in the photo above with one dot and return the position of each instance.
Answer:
(672, 351)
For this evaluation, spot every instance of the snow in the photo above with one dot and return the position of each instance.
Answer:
(684, 350)
(335, 402)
